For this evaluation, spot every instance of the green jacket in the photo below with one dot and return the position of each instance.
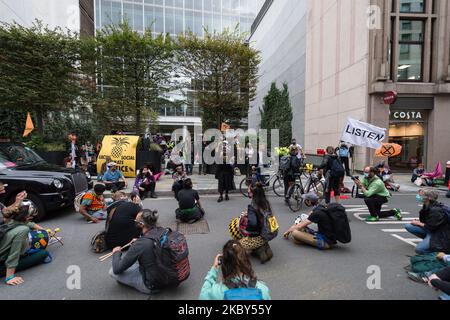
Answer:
(375, 187)
(15, 243)
(213, 290)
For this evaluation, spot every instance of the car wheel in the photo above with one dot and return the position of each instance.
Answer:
(40, 214)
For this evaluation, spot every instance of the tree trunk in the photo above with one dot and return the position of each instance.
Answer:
(40, 120)
(138, 120)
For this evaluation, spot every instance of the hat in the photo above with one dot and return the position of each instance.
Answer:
(311, 197)
(111, 164)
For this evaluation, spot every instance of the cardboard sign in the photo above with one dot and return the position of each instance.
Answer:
(122, 151)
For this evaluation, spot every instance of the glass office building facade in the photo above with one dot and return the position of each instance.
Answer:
(178, 16)
(175, 17)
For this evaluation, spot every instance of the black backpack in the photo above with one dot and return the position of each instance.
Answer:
(336, 169)
(172, 256)
(341, 226)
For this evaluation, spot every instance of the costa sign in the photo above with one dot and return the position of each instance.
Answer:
(407, 115)
(390, 97)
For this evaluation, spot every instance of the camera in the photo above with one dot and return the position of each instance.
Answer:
(354, 178)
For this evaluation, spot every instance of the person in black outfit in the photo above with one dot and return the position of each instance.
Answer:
(121, 226)
(138, 268)
(289, 175)
(225, 175)
(190, 209)
(441, 281)
(333, 178)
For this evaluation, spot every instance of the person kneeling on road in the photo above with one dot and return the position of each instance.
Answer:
(15, 251)
(190, 209)
(433, 225)
(239, 279)
(93, 206)
(376, 195)
(325, 238)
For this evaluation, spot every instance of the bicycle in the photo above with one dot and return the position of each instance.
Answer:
(274, 181)
(313, 184)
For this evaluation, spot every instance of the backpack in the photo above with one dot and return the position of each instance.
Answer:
(447, 212)
(343, 152)
(78, 200)
(341, 226)
(336, 169)
(427, 263)
(248, 293)
(270, 227)
(98, 242)
(285, 163)
(172, 255)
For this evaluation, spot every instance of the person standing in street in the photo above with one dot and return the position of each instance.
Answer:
(225, 176)
(344, 156)
(300, 154)
(333, 172)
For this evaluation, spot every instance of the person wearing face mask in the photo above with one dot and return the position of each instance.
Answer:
(376, 195)
(138, 268)
(433, 225)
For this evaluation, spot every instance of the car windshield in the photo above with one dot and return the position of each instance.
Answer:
(19, 155)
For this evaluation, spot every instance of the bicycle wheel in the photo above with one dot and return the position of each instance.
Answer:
(318, 188)
(243, 187)
(296, 200)
(278, 187)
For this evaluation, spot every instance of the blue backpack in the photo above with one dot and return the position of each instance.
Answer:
(249, 293)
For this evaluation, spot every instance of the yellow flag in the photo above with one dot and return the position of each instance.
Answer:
(29, 126)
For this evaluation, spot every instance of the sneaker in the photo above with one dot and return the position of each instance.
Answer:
(398, 214)
(372, 219)
(417, 277)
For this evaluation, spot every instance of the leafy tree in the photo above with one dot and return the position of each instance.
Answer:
(223, 71)
(135, 71)
(40, 70)
(276, 113)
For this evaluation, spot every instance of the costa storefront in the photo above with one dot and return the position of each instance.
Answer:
(408, 127)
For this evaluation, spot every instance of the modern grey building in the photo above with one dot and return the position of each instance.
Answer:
(175, 17)
(357, 51)
(279, 33)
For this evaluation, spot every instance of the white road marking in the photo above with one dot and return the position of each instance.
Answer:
(394, 230)
(408, 241)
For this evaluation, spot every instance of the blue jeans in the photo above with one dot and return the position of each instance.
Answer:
(424, 246)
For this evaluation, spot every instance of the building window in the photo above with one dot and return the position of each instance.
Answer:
(410, 51)
(412, 6)
(411, 40)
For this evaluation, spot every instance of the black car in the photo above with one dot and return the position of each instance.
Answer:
(49, 187)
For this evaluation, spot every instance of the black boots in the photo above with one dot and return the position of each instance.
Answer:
(263, 253)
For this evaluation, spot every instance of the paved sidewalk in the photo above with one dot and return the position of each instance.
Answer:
(207, 184)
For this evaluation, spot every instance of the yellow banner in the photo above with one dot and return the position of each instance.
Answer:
(122, 151)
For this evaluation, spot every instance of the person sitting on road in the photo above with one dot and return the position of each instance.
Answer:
(4, 210)
(178, 178)
(426, 273)
(104, 168)
(333, 172)
(93, 206)
(136, 268)
(376, 195)
(121, 226)
(254, 242)
(114, 179)
(418, 172)
(441, 281)
(190, 209)
(325, 238)
(433, 225)
(15, 254)
(145, 183)
(289, 175)
(237, 272)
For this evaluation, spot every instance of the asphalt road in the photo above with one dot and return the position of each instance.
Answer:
(295, 273)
